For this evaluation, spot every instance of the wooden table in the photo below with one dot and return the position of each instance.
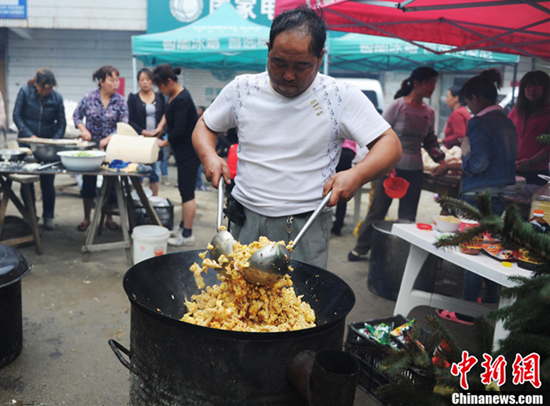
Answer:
(119, 180)
(29, 214)
(422, 244)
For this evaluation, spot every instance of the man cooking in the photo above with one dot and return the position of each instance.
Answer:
(291, 122)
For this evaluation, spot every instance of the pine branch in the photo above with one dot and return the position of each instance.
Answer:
(525, 343)
(484, 203)
(484, 333)
(455, 351)
(492, 224)
(396, 363)
(456, 239)
(460, 207)
(545, 371)
(522, 233)
(525, 286)
(525, 313)
(545, 293)
(544, 139)
(537, 342)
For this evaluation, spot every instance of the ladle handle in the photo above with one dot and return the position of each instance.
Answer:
(48, 165)
(221, 199)
(311, 219)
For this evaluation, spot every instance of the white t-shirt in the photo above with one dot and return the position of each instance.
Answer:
(289, 147)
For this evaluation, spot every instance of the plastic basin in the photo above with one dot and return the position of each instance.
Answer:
(396, 187)
(82, 161)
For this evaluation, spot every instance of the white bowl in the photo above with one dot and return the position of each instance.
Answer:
(446, 226)
(82, 161)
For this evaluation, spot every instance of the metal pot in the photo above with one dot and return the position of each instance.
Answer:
(173, 362)
(47, 152)
(12, 155)
(13, 267)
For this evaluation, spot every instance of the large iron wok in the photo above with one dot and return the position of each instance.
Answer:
(174, 362)
(46, 149)
(12, 155)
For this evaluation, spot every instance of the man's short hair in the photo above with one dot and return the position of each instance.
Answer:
(306, 20)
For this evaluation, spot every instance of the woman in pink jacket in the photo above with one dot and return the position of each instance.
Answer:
(531, 116)
(457, 124)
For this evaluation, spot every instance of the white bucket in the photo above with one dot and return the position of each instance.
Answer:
(149, 241)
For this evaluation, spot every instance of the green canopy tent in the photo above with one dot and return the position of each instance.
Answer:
(369, 53)
(222, 41)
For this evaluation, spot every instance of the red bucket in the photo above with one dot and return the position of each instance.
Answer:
(396, 187)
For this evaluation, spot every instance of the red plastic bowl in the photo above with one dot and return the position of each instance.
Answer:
(396, 187)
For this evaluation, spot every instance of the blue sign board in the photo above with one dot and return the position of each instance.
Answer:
(13, 9)
(166, 15)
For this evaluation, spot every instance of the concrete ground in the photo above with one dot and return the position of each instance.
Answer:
(71, 307)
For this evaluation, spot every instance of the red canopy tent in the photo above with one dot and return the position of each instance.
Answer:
(520, 27)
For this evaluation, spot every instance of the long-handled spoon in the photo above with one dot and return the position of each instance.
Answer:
(270, 263)
(222, 243)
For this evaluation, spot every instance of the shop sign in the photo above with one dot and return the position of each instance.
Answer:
(13, 9)
(166, 15)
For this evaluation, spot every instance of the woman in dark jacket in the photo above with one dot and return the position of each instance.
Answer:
(181, 117)
(146, 112)
(39, 112)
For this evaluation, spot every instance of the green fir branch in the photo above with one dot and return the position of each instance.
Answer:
(525, 286)
(420, 358)
(491, 225)
(519, 232)
(485, 333)
(519, 315)
(545, 293)
(545, 371)
(462, 208)
(484, 203)
(536, 342)
(396, 363)
(525, 343)
(455, 351)
(456, 239)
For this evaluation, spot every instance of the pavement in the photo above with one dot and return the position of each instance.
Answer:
(71, 308)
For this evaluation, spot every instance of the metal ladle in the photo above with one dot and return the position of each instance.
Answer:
(270, 263)
(222, 243)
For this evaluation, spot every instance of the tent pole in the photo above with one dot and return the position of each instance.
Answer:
(514, 84)
(327, 47)
(134, 69)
